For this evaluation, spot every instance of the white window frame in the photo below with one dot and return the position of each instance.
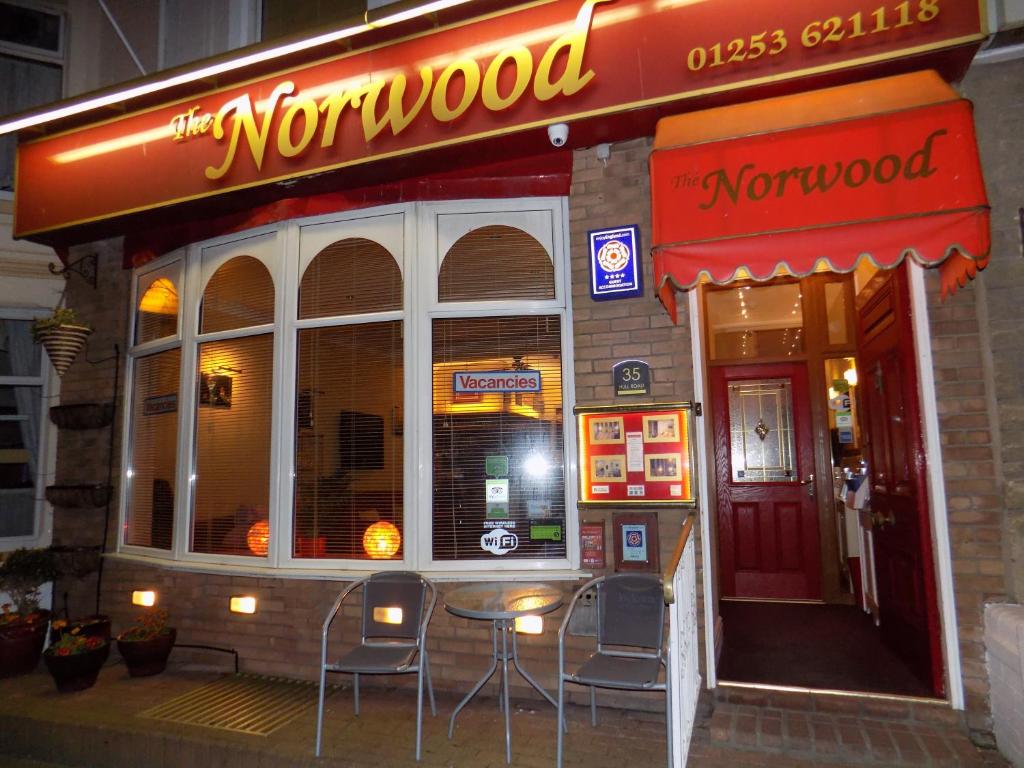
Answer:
(435, 242)
(162, 267)
(281, 249)
(49, 389)
(41, 55)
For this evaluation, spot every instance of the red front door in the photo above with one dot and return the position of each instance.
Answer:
(767, 513)
(891, 423)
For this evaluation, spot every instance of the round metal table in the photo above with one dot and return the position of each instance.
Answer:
(501, 604)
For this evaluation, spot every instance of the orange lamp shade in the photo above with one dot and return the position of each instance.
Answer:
(382, 540)
(258, 537)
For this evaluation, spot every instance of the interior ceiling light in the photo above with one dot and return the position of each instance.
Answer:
(219, 68)
(160, 298)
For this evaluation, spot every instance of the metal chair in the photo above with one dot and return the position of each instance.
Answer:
(396, 610)
(630, 631)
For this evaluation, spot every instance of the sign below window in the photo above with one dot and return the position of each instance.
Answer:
(615, 270)
(636, 541)
(496, 381)
(592, 545)
(499, 541)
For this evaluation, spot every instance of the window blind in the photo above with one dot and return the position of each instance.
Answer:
(239, 295)
(348, 441)
(234, 396)
(350, 277)
(498, 479)
(348, 412)
(493, 263)
(149, 517)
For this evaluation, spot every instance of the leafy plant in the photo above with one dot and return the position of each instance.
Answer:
(22, 572)
(147, 626)
(74, 642)
(61, 316)
(8, 616)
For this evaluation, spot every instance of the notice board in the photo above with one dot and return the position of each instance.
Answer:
(636, 456)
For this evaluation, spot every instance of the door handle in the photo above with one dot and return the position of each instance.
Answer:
(881, 519)
(809, 482)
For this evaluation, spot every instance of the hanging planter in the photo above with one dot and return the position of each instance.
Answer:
(82, 415)
(78, 495)
(62, 336)
(78, 561)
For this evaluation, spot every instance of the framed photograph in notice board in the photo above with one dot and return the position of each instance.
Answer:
(636, 541)
(636, 456)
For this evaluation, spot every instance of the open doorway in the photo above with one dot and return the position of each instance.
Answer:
(825, 569)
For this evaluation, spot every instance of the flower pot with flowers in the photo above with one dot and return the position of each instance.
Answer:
(22, 623)
(146, 645)
(75, 660)
(94, 625)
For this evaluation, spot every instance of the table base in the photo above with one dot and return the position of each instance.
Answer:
(505, 627)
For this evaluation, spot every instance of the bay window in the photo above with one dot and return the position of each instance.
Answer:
(298, 407)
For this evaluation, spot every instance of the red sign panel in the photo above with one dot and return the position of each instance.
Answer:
(636, 456)
(558, 61)
(903, 183)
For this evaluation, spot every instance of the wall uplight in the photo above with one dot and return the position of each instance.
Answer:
(850, 374)
(144, 597)
(530, 625)
(243, 604)
(387, 614)
(382, 540)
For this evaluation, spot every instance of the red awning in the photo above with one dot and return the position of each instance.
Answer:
(880, 170)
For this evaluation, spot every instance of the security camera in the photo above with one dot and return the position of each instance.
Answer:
(558, 134)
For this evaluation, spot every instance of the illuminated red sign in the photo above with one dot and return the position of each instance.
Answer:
(514, 70)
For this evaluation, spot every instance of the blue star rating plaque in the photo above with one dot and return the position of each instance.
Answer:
(615, 269)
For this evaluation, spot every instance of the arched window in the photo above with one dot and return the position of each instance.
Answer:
(349, 385)
(156, 315)
(156, 375)
(497, 392)
(234, 398)
(496, 262)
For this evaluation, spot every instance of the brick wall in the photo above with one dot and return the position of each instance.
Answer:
(606, 332)
(972, 488)
(283, 637)
(980, 383)
(977, 370)
(999, 112)
(82, 454)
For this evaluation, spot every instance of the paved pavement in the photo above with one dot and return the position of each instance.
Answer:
(101, 728)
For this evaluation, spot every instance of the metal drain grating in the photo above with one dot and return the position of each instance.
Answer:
(240, 703)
